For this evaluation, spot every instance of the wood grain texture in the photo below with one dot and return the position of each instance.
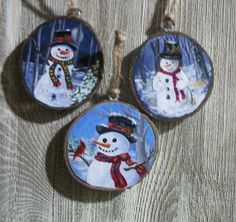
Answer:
(193, 179)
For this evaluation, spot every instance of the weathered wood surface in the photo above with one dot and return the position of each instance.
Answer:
(193, 179)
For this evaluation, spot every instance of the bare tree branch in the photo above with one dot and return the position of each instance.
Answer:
(82, 158)
(145, 131)
(139, 164)
(131, 116)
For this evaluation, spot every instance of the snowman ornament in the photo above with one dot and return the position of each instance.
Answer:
(112, 167)
(171, 84)
(55, 85)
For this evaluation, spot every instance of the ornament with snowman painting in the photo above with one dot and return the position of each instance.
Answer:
(62, 63)
(112, 146)
(172, 76)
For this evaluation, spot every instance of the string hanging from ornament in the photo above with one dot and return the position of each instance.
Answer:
(73, 8)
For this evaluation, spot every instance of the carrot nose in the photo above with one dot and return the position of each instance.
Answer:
(64, 52)
(168, 65)
(106, 145)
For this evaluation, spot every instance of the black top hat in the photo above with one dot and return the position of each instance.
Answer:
(171, 50)
(63, 37)
(119, 124)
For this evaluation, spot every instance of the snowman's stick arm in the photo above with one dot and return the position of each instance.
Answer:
(40, 53)
(78, 69)
(81, 157)
(139, 164)
(86, 162)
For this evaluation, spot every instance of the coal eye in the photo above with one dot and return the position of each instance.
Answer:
(66, 49)
(58, 49)
(114, 140)
(104, 140)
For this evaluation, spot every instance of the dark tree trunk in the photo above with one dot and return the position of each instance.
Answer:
(36, 63)
(50, 42)
(199, 63)
(155, 49)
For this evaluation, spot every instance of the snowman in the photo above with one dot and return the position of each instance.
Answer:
(112, 166)
(171, 83)
(55, 85)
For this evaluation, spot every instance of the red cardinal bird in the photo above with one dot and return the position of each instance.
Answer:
(80, 150)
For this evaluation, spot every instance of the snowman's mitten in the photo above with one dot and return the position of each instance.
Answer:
(71, 87)
(57, 83)
(181, 84)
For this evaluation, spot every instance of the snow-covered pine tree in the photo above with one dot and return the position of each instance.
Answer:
(86, 86)
(72, 144)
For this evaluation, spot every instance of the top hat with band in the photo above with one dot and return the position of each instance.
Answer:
(171, 50)
(119, 124)
(64, 37)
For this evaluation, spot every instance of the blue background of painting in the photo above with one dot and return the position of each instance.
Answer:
(89, 48)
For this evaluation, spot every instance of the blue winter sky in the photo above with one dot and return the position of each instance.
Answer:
(85, 128)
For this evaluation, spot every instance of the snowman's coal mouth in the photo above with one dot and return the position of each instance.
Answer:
(62, 57)
(108, 151)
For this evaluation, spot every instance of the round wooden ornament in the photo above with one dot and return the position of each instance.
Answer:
(111, 146)
(62, 63)
(172, 76)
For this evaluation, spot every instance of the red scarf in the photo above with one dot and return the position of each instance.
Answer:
(175, 80)
(118, 178)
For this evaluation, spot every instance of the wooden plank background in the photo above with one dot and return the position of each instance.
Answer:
(195, 175)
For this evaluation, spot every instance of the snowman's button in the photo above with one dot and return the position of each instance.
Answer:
(53, 96)
(176, 58)
(167, 88)
(168, 97)
(54, 51)
(107, 154)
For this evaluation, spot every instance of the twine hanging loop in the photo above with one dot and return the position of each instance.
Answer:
(169, 17)
(117, 56)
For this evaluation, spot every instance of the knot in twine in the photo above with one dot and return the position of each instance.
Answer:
(168, 20)
(73, 9)
(117, 56)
